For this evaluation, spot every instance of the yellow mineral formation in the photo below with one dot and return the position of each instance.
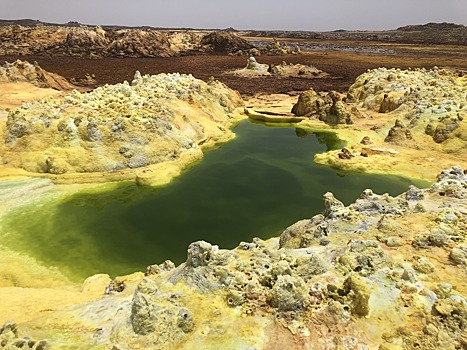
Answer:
(415, 119)
(115, 131)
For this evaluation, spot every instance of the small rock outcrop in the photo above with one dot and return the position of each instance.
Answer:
(297, 70)
(255, 69)
(23, 71)
(399, 134)
(328, 107)
(152, 314)
(277, 48)
(225, 42)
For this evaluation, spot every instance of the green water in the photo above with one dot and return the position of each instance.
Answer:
(254, 186)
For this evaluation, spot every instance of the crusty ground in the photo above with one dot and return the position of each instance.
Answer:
(343, 67)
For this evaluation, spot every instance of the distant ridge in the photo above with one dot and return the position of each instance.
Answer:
(432, 26)
(37, 23)
(27, 22)
(430, 33)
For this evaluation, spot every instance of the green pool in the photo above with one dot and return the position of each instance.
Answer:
(254, 186)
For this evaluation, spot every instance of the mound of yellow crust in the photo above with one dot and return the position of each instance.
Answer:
(410, 122)
(153, 120)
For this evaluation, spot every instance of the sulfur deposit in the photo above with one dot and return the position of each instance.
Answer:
(327, 107)
(125, 126)
(433, 102)
(409, 119)
(382, 273)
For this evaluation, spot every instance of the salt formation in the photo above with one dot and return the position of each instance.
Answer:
(327, 107)
(384, 272)
(22, 71)
(95, 42)
(404, 122)
(430, 101)
(253, 65)
(116, 127)
(256, 69)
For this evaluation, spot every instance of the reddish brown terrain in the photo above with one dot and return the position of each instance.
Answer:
(112, 54)
(343, 67)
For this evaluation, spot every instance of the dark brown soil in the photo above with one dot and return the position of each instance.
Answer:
(344, 67)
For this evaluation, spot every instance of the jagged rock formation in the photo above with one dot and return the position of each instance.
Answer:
(270, 48)
(278, 48)
(225, 42)
(22, 71)
(392, 265)
(124, 126)
(416, 120)
(255, 69)
(433, 101)
(84, 41)
(95, 42)
(327, 107)
(129, 43)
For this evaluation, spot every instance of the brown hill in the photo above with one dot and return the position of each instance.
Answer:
(97, 42)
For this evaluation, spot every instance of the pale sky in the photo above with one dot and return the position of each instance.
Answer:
(312, 15)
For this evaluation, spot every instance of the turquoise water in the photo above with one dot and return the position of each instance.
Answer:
(254, 186)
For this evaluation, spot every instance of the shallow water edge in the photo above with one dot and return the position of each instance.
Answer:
(254, 186)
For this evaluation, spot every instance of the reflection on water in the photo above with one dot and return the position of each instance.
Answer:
(256, 185)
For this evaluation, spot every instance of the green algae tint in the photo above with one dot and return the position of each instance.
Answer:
(254, 186)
